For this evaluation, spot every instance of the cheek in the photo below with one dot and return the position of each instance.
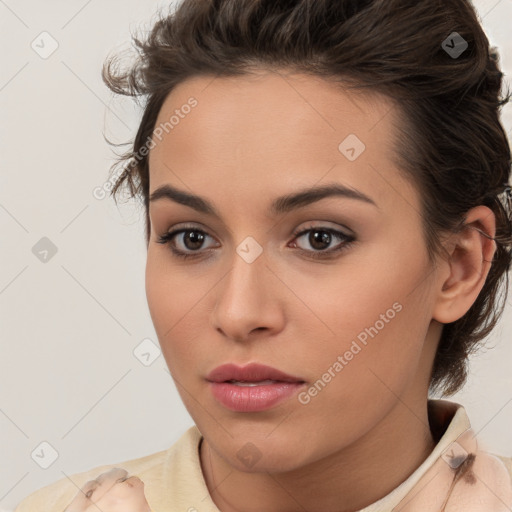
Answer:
(357, 374)
(167, 293)
(175, 302)
(375, 314)
(379, 333)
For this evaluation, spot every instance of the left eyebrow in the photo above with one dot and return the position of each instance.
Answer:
(279, 206)
(307, 196)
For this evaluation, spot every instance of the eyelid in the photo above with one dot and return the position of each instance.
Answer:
(322, 225)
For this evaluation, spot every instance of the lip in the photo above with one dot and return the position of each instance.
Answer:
(252, 398)
(253, 372)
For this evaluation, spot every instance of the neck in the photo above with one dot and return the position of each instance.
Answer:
(345, 481)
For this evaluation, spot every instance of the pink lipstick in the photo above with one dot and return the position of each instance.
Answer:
(251, 388)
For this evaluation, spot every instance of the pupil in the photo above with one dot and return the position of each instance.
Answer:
(324, 238)
(190, 238)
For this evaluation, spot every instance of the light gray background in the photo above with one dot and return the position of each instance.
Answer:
(69, 326)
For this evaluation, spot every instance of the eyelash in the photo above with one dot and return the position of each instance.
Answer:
(167, 238)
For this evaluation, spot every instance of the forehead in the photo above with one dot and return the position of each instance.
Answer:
(272, 130)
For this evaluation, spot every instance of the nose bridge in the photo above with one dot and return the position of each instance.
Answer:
(244, 301)
(245, 279)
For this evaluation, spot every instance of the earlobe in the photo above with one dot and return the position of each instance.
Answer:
(470, 257)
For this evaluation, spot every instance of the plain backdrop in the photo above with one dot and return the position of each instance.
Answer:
(75, 391)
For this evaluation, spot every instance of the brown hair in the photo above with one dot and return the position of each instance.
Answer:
(450, 142)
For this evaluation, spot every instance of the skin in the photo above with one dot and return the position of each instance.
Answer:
(249, 140)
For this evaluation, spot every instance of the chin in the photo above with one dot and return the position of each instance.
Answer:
(259, 454)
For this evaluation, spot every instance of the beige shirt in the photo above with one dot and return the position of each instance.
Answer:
(174, 481)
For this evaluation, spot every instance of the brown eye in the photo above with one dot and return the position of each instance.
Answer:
(190, 238)
(88, 494)
(320, 243)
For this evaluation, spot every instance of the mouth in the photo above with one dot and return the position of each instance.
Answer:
(252, 388)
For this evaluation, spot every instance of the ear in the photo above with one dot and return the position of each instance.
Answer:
(471, 254)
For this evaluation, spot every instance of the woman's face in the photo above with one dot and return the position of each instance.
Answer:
(353, 326)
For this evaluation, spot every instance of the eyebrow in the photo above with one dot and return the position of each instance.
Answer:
(279, 206)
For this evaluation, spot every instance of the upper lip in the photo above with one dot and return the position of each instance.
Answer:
(252, 372)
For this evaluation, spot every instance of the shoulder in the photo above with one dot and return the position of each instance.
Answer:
(179, 463)
(487, 485)
(57, 496)
(506, 461)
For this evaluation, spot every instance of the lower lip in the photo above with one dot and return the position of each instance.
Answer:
(253, 398)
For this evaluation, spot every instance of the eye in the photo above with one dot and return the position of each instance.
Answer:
(88, 494)
(190, 237)
(320, 237)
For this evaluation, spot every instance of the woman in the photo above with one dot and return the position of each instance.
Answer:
(328, 229)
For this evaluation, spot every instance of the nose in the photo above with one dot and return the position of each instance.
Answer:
(248, 299)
